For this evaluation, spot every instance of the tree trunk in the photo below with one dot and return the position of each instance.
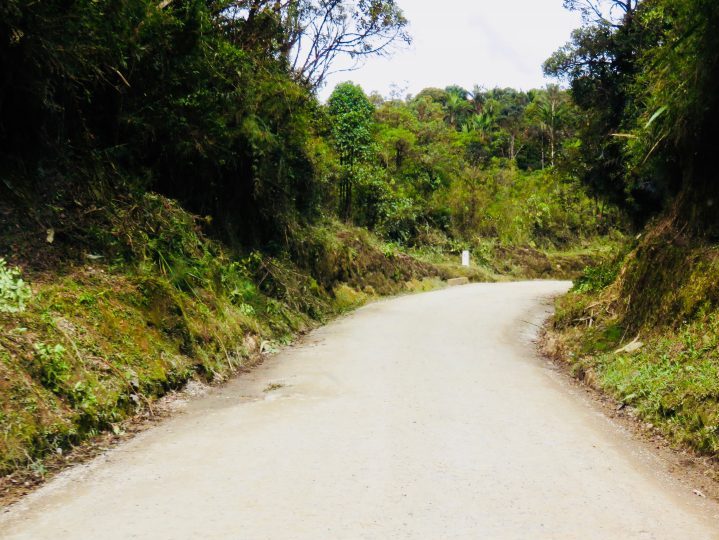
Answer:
(552, 134)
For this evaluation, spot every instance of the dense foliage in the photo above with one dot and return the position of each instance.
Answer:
(195, 99)
(645, 75)
(180, 97)
(644, 327)
(212, 103)
(455, 166)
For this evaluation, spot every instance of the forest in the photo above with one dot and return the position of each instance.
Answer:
(167, 169)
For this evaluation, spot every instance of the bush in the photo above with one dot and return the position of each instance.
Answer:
(54, 369)
(596, 278)
(14, 292)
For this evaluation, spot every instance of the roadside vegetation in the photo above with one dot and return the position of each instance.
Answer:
(83, 349)
(643, 327)
(174, 199)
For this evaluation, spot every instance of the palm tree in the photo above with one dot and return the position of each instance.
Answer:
(551, 113)
(477, 98)
(456, 108)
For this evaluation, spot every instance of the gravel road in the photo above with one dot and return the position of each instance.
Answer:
(424, 417)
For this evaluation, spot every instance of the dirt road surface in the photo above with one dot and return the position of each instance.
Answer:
(425, 417)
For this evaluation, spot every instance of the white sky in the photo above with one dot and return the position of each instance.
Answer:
(467, 42)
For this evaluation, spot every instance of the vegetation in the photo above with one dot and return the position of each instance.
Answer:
(176, 196)
(100, 341)
(14, 292)
(451, 167)
(644, 328)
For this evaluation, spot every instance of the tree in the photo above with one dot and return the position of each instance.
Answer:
(609, 12)
(673, 136)
(601, 63)
(457, 106)
(477, 97)
(352, 117)
(550, 111)
(396, 133)
(316, 33)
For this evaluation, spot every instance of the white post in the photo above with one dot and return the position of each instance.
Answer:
(465, 258)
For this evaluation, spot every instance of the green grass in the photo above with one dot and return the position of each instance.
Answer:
(100, 341)
(663, 294)
(672, 381)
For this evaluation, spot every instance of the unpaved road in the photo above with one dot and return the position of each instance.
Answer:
(426, 417)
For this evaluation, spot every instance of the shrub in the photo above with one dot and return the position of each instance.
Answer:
(54, 370)
(14, 292)
(596, 278)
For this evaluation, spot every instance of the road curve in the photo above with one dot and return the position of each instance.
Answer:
(424, 417)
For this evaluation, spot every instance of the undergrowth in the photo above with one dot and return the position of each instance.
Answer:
(14, 292)
(645, 329)
(121, 302)
(152, 303)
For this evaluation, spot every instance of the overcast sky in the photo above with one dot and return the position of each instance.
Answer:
(466, 42)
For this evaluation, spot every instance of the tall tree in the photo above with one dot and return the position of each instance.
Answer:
(550, 111)
(352, 117)
(316, 34)
(457, 107)
(601, 63)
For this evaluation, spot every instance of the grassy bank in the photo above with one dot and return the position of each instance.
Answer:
(122, 303)
(104, 333)
(494, 261)
(645, 329)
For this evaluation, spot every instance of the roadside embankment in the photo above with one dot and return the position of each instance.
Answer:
(645, 330)
(118, 305)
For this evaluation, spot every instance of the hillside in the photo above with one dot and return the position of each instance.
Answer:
(174, 199)
(643, 328)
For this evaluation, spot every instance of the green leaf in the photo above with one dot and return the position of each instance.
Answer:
(657, 114)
